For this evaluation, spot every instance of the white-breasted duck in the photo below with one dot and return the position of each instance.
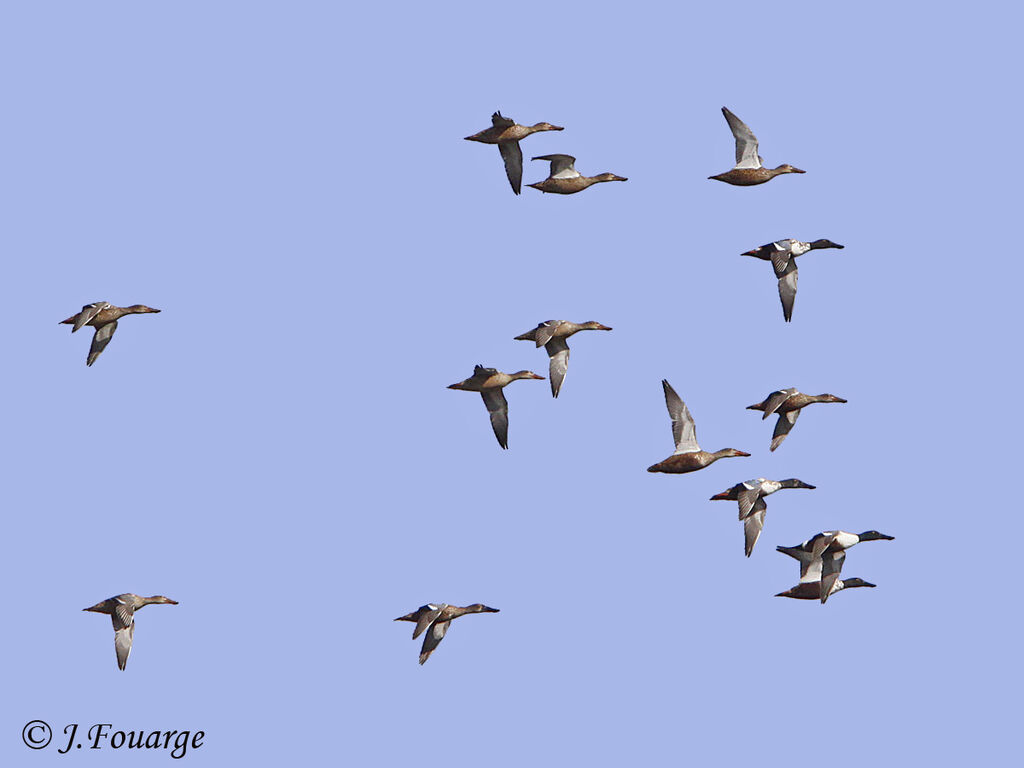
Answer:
(823, 556)
(552, 335)
(787, 403)
(782, 254)
(751, 497)
(489, 382)
(688, 456)
(434, 618)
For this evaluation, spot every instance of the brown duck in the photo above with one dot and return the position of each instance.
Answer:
(489, 382)
(103, 317)
(435, 618)
(564, 179)
(121, 610)
(688, 456)
(749, 169)
(507, 134)
(552, 335)
(787, 403)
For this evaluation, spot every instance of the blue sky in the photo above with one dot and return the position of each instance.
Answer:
(277, 450)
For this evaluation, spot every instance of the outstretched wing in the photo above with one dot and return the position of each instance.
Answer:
(513, 157)
(787, 290)
(501, 122)
(497, 405)
(748, 498)
(831, 566)
(746, 142)
(775, 401)
(100, 339)
(546, 331)
(123, 618)
(684, 430)
(432, 639)
(782, 427)
(89, 311)
(562, 166)
(428, 614)
(558, 350)
(752, 530)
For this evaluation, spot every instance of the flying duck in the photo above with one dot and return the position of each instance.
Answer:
(782, 254)
(823, 555)
(749, 169)
(787, 403)
(564, 179)
(552, 335)
(751, 495)
(688, 456)
(437, 617)
(489, 382)
(122, 610)
(103, 317)
(507, 134)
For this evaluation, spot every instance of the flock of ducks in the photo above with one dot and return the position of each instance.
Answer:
(821, 557)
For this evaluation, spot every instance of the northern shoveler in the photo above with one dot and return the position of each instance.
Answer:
(749, 169)
(103, 317)
(552, 335)
(122, 610)
(489, 382)
(507, 134)
(435, 617)
(688, 456)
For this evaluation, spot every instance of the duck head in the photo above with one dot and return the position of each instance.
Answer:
(786, 168)
(855, 582)
(526, 375)
(609, 177)
(825, 244)
(794, 483)
(874, 536)
(593, 325)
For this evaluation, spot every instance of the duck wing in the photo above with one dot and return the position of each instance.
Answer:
(748, 499)
(546, 331)
(782, 427)
(780, 255)
(787, 290)
(775, 401)
(100, 339)
(501, 122)
(558, 351)
(89, 311)
(752, 527)
(831, 566)
(746, 142)
(433, 638)
(684, 430)
(513, 157)
(427, 615)
(497, 406)
(123, 618)
(562, 166)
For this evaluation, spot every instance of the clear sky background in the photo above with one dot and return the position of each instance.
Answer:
(277, 451)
